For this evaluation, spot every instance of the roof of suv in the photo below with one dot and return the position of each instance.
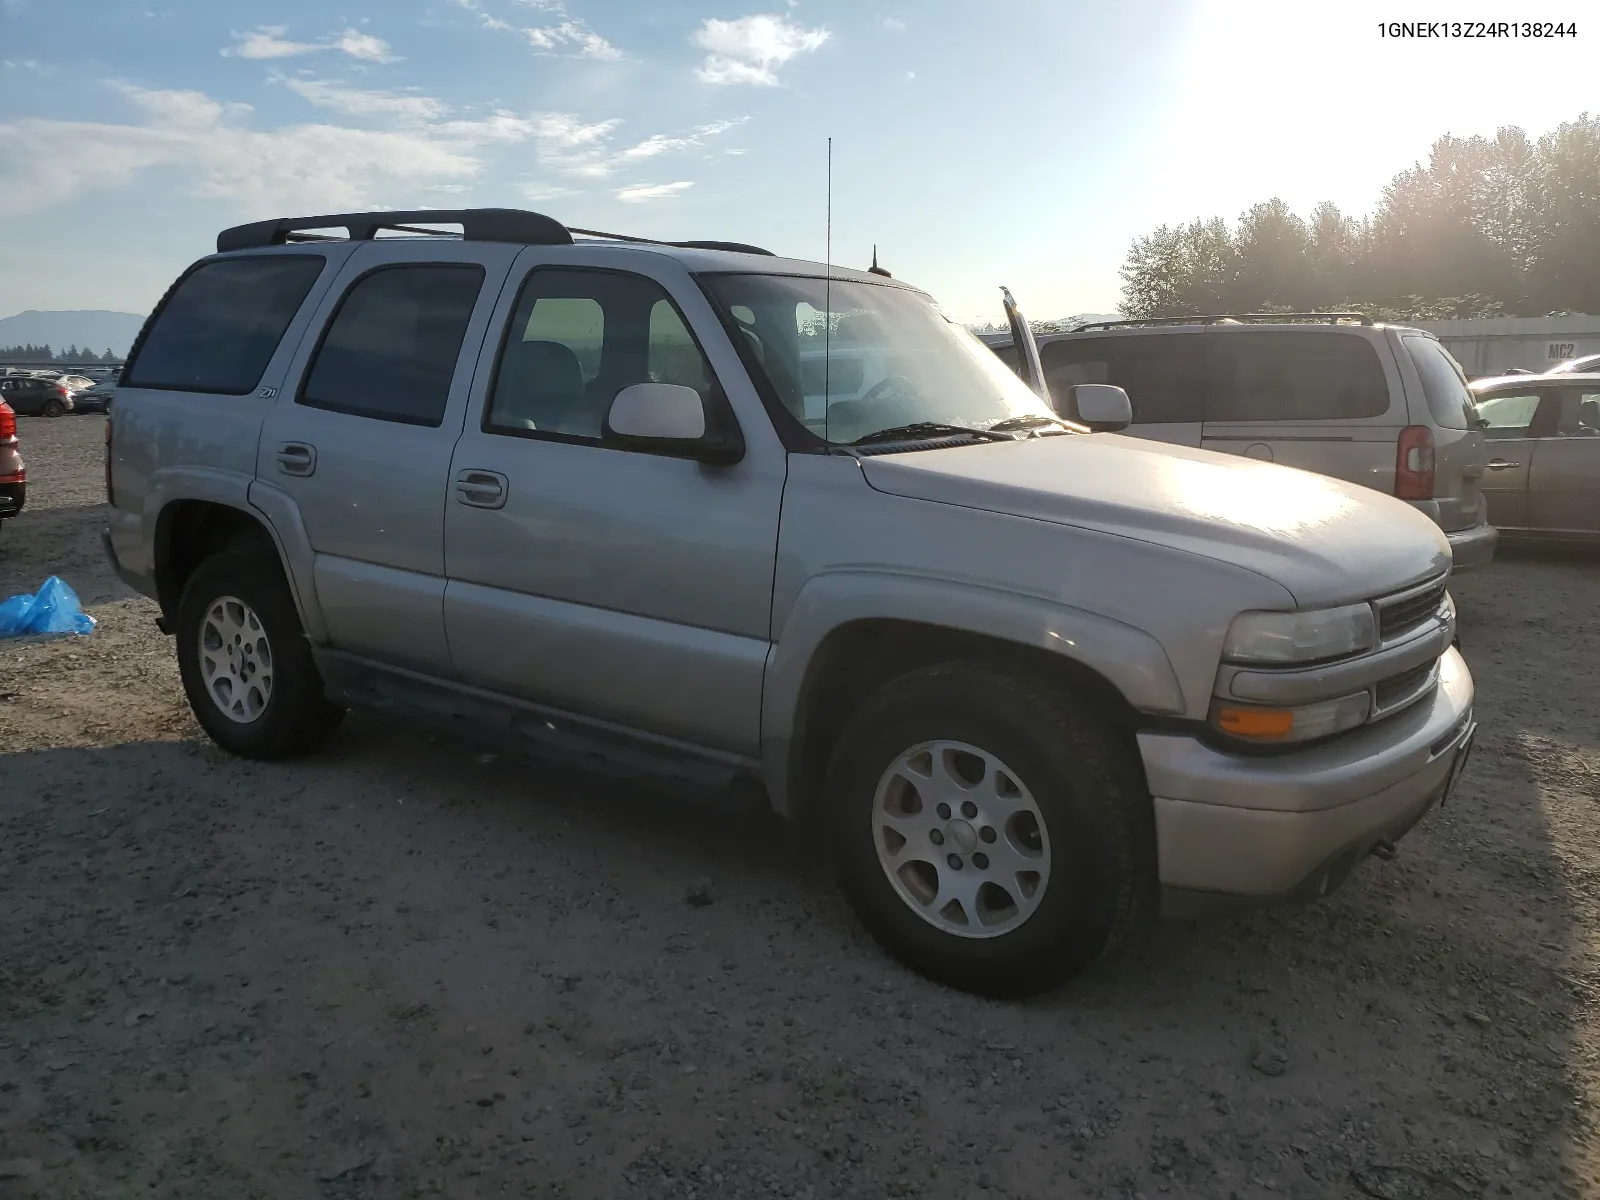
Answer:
(1295, 322)
(1564, 379)
(521, 227)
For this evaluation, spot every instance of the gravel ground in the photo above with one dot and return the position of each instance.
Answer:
(405, 969)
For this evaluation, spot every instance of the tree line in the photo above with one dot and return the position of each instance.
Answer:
(1501, 226)
(72, 354)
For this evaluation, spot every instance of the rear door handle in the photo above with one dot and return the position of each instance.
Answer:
(297, 458)
(482, 489)
(1500, 464)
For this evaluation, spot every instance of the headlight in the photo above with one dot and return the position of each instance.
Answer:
(1303, 723)
(1282, 639)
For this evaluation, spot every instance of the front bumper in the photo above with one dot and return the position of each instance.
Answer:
(1233, 827)
(1472, 547)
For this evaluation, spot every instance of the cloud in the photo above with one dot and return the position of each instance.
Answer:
(269, 41)
(893, 24)
(639, 193)
(359, 102)
(748, 50)
(307, 167)
(363, 46)
(419, 147)
(538, 193)
(569, 35)
(572, 36)
(662, 143)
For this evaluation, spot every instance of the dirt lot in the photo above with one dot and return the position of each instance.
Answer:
(398, 970)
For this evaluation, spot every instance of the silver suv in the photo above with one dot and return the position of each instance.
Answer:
(1385, 406)
(1029, 682)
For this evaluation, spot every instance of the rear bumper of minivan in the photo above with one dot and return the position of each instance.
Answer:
(1233, 828)
(1473, 547)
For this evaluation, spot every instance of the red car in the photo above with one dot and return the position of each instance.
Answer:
(13, 472)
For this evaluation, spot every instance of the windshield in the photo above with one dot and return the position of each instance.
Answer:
(849, 360)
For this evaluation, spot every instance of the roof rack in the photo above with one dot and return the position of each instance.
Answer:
(1332, 318)
(732, 247)
(514, 225)
(477, 225)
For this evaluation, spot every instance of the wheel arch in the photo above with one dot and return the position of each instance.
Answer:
(189, 531)
(820, 668)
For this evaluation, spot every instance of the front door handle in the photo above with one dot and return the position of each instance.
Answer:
(482, 489)
(297, 458)
(1500, 464)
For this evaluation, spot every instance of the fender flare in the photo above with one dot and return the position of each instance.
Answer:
(1130, 659)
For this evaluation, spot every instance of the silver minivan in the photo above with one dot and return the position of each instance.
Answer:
(1384, 406)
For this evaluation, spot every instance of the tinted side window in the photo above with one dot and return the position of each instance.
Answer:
(391, 348)
(576, 339)
(1286, 376)
(1164, 374)
(218, 329)
(1443, 384)
(674, 357)
(577, 322)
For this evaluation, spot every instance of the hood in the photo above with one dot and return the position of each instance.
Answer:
(1325, 540)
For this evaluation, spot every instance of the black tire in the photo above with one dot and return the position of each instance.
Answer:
(1085, 779)
(53, 408)
(297, 716)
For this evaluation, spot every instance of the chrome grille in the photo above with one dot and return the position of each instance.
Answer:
(1405, 613)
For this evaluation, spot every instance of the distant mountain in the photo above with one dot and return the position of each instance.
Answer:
(94, 328)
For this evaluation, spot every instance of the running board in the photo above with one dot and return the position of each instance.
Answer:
(477, 714)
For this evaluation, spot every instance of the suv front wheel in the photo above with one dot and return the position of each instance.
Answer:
(246, 665)
(992, 833)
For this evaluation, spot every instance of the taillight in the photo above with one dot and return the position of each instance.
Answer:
(109, 500)
(8, 423)
(62, 391)
(1413, 464)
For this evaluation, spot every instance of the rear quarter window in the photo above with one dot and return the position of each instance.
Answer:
(1444, 385)
(218, 328)
(1281, 375)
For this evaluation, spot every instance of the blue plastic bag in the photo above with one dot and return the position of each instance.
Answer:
(54, 608)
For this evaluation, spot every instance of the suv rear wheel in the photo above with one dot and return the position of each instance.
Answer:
(54, 408)
(991, 833)
(246, 665)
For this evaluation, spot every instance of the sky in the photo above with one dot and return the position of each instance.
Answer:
(975, 144)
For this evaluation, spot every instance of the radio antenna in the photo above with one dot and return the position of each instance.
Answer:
(827, 300)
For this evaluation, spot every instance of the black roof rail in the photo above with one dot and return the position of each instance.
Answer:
(477, 225)
(1332, 318)
(731, 247)
(514, 225)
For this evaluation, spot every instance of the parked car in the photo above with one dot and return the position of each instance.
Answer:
(1383, 406)
(1586, 365)
(13, 471)
(31, 396)
(1543, 433)
(1027, 682)
(96, 398)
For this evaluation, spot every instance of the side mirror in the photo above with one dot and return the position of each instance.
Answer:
(1101, 406)
(668, 418)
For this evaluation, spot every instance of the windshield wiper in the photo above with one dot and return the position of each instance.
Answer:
(927, 429)
(1031, 421)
